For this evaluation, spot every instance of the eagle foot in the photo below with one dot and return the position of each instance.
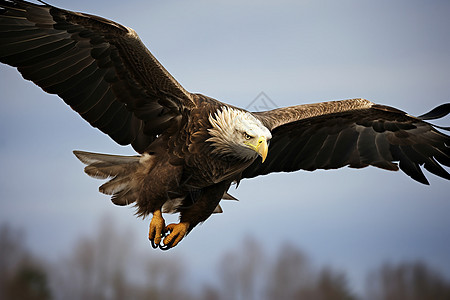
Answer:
(176, 232)
(157, 229)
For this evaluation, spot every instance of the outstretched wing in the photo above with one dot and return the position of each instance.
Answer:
(98, 67)
(354, 133)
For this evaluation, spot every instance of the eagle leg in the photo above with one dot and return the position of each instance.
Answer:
(176, 233)
(157, 228)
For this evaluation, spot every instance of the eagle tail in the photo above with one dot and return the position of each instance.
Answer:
(124, 184)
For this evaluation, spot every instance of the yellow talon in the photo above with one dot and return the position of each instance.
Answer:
(177, 233)
(156, 229)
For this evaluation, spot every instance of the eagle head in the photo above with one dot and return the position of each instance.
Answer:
(239, 134)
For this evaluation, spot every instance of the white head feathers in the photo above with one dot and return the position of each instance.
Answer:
(231, 129)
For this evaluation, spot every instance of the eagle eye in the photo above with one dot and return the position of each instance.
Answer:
(247, 136)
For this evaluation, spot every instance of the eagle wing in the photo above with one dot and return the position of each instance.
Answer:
(354, 133)
(98, 67)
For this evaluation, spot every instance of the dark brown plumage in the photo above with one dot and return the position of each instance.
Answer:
(193, 147)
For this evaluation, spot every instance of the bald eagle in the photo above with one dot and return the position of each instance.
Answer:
(191, 147)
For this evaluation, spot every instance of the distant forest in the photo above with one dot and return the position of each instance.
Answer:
(103, 266)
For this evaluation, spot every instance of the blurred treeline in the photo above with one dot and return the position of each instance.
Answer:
(102, 267)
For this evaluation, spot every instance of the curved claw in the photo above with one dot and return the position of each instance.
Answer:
(154, 246)
(165, 247)
(159, 245)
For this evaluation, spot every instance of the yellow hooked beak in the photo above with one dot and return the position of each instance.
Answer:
(262, 148)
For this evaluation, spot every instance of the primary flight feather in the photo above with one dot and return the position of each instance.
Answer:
(192, 147)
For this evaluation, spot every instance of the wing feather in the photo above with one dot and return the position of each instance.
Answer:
(352, 133)
(98, 67)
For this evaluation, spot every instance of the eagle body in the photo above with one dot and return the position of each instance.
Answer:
(172, 174)
(190, 147)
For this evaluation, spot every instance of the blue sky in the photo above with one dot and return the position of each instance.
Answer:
(391, 52)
